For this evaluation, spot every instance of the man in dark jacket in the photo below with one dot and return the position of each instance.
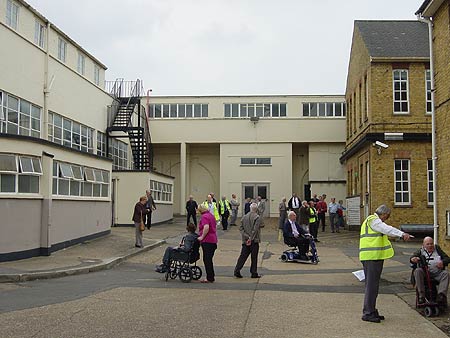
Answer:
(304, 216)
(186, 245)
(436, 260)
(295, 235)
(150, 206)
(191, 209)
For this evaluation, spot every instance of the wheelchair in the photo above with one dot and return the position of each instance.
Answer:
(184, 265)
(431, 307)
(293, 255)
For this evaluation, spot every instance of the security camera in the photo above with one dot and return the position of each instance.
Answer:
(380, 144)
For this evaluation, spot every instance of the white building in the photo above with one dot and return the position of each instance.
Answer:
(249, 145)
(56, 178)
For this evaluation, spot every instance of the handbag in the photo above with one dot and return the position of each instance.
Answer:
(142, 225)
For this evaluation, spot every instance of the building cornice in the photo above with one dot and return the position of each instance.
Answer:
(399, 59)
(372, 137)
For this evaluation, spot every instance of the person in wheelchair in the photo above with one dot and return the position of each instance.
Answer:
(186, 245)
(437, 260)
(295, 235)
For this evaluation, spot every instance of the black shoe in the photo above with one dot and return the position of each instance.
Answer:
(238, 275)
(138, 246)
(256, 276)
(378, 315)
(317, 240)
(372, 319)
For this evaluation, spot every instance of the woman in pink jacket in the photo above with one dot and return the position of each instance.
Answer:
(208, 240)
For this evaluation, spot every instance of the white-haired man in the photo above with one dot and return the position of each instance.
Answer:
(251, 237)
(374, 248)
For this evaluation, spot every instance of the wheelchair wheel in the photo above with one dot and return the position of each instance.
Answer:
(436, 311)
(196, 272)
(428, 311)
(173, 270)
(284, 257)
(185, 274)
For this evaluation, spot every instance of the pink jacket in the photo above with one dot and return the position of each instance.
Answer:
(211, 236)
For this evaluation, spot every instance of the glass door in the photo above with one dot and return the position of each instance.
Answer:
(253, 190)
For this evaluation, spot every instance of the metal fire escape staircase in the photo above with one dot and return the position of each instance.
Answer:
(127, 116)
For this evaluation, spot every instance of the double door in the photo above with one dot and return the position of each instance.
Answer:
(253, 190)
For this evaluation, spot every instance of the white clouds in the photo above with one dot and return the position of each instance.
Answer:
(222, 46)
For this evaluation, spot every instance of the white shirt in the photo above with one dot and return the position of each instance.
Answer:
(378, 225)
(294, 229)
(295, 203)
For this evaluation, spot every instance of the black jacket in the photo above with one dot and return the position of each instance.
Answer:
(290, 202)
(287, 230)
(191, 206)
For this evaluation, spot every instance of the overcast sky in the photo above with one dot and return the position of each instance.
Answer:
(222, 47)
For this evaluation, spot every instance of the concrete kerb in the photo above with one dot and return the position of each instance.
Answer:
(105, 265)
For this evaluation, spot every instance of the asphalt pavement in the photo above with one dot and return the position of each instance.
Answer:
(131, 299)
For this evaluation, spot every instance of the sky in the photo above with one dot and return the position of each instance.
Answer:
(222, 47)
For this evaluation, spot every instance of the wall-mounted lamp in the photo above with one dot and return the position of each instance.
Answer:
(254, 119)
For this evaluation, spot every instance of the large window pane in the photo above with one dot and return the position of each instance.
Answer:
(8, 163)
(7, 183)
(28, 184)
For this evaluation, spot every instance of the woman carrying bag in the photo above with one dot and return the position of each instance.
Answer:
(139, 216)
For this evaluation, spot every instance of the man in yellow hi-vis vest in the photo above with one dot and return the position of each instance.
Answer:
(374, 248)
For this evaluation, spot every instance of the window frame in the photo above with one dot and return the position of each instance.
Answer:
(81, 63)
(321, 109)
(62, 49)
(401, 181)
(400, 91)
(39, 34)
(430, 191)
(428, 95)
(12, 17)
(253, 161)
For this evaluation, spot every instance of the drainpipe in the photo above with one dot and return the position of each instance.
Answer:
(433, 127)
(46, 85)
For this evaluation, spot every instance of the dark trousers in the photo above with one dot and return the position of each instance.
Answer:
(314, 229)
(208, 254)
(300, 242)
(168, 254)
(246, 251)
(224, 221)
(149, 220)
(372, 272)
(194, 218)
(321, 220)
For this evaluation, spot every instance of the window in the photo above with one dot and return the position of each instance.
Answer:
(62, 49)
(429, 102)
(12, 14)
(178, 110)
(430, 182)
(118, 150)
(81, 63)
(19, 174)
(75, 180)
(101, 144)
(402, 182)
(70, 133)
(97, 75)
(256, 161)
(254, 109)
(39, 34)
(323, 109)
(20, 117)
(400, 83)
(161, 192)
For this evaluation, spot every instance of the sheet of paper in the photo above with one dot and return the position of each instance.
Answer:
(359, 274)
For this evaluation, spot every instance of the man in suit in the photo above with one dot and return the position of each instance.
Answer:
(295, 235)
(251, 237)
(191, 209)
(294, 204)
(261, 206)
(150, 206)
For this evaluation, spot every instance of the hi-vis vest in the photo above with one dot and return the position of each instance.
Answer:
(222, 205)
(216, 212)
(373, 245)
(312, 213)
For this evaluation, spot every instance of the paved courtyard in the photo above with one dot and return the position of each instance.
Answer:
(290, 300)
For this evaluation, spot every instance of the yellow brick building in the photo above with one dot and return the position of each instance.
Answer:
(388, 146)
(439, 12)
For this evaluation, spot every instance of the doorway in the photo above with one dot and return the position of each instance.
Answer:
(254, 190)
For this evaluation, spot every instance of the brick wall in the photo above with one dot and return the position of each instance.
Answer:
(441, 51)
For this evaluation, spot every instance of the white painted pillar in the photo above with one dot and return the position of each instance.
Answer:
(46, 191)
(183, 171)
